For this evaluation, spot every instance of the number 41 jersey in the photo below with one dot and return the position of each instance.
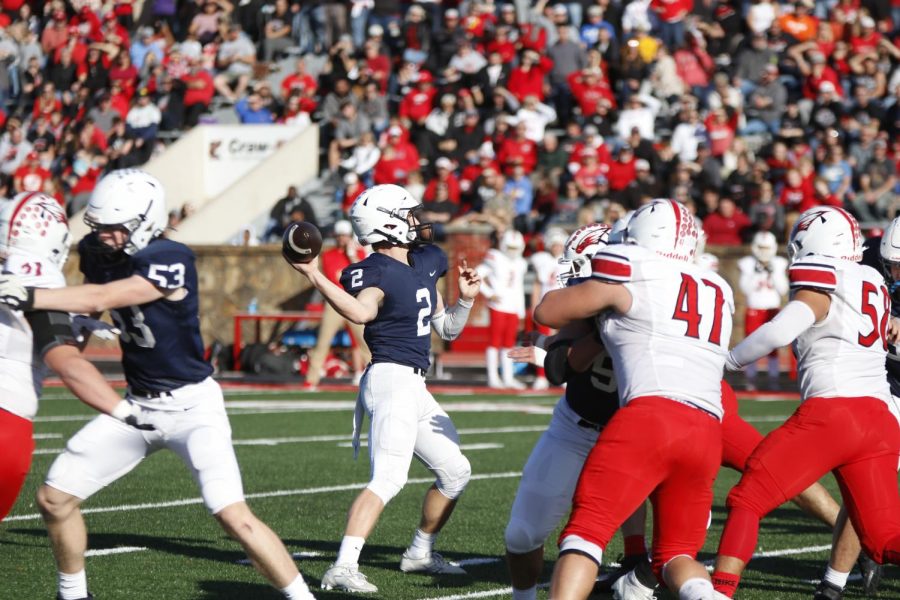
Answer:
(161, 345)
(673, 340)
(843, 356)
(401, 332)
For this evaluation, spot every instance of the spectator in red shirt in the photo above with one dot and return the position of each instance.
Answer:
(55, 34)
(444, 177)
(725, 226)
(623, 170)
(419, 101)
(518, 149)
(798, 194)
(589, 175)
(46, 103)
(671, 15)
(199, 92)
(300, 80)
(529, 78)
(398, 159)
(30, 176)
(589, 88)
(353, 187)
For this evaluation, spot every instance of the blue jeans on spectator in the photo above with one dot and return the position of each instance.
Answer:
(358, 25)
(309, 25)
(747, 87)
(758, 126)
(672, 34)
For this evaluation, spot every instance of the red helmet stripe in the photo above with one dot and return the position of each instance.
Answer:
(677, 208)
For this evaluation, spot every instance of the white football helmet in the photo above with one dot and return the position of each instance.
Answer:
(387, 213)
(581, 247)
(890, 252)
(665, 226)
(35, 223)
(554, 237)
(512, 243)
(764, 246)
(617, 233)
(826, 231)
(132, 199)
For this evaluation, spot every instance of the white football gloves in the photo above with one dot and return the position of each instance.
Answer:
(84, 326)
(144, 419)
(14, 294)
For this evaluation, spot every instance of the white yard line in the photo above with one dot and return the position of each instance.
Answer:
(461, 446)
(272, 494)
(47, 436)
(305, 439)
(118, 550)
(485, 594)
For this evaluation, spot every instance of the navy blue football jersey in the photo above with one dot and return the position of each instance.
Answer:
(594, 395)
(872, 258)
(161, 345)
(401, 333)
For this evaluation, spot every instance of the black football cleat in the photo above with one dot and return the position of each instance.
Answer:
(871, 573)
(626, 565)
(90, 596)
(828, 591)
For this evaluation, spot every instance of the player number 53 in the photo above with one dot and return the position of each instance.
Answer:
(167, 276)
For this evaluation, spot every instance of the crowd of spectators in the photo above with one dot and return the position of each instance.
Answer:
(521, 114)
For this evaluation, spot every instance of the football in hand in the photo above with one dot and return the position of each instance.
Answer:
(302, 242)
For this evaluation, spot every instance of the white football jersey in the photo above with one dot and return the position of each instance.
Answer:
(21, 371)
(504, 282)
(763, 287)
(843, 356)
(546, 271)
(674, 339)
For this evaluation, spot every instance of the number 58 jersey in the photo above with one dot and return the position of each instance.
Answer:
(161, 345)
(673, 340)
(843, 356)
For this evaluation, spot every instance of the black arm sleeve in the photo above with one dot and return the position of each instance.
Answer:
(556, 363)
(50, 328)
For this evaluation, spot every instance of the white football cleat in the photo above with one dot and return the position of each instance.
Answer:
(432, 563)
(540, 383)
(628, 587)
(347, 578)
(495, 383)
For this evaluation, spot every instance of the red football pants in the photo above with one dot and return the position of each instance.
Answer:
(739, 438)
(18, 445)
(658, 448)
(857, 439)
(504, 328)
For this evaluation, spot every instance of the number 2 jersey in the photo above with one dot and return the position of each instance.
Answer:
(673, 340)
(161, 345)
(843, 356)
(401, 332)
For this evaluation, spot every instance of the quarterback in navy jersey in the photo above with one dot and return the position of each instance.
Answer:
(149, 285)
(393, 293)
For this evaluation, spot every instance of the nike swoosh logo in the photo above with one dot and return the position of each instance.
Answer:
(431, 273)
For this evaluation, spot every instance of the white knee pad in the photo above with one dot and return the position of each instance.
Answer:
(521, 537)
(387, 485)
(453, 475)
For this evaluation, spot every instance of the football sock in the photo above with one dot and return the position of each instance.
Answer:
(529, 594)
(835, 577)
(297, 590)
(725, 583)
(644, 574)
(73, 586)
(696, 589)
(351, 546)
(492, 359)
(635, 545)
(422, 544)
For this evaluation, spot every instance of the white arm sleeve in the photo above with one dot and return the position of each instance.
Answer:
(449, 323)
(794, 319)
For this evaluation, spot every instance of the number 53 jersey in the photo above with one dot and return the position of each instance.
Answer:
(161, 345)
(673, 340)
(843, 356)
(401, 332)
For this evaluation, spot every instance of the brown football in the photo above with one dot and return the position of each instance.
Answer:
(301, 243)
